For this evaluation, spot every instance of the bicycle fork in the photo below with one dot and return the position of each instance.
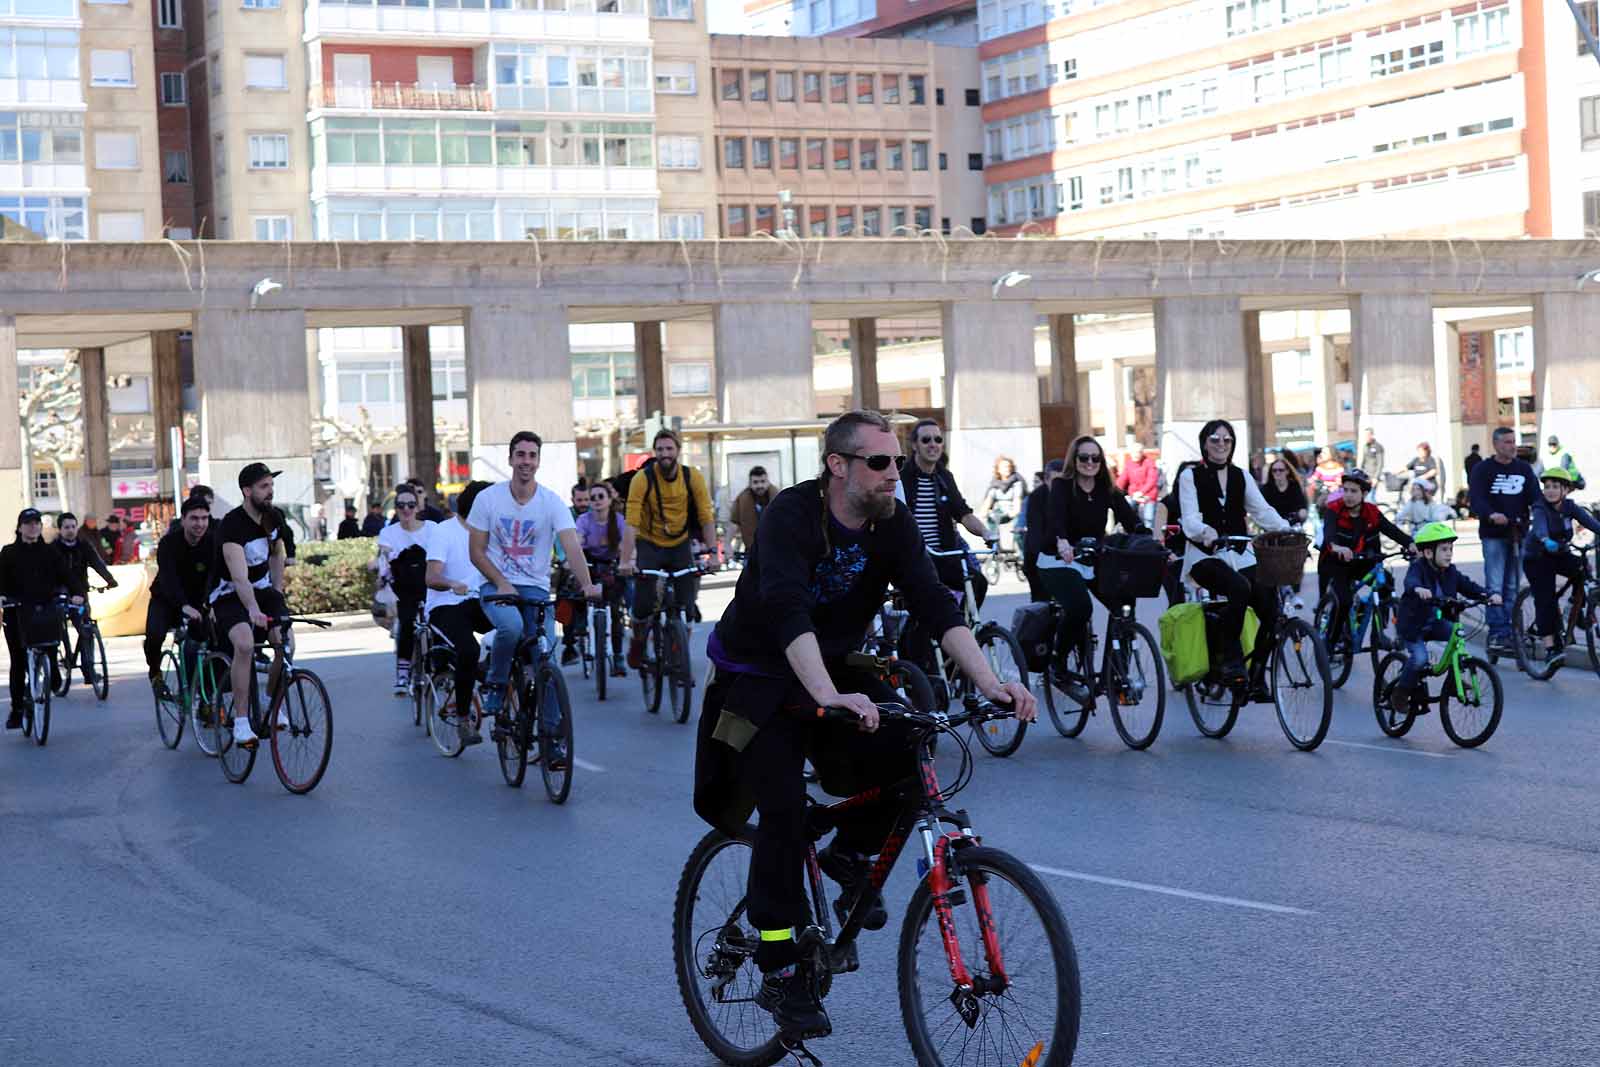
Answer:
(947, 895)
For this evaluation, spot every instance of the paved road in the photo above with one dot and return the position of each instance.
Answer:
(1375, 902)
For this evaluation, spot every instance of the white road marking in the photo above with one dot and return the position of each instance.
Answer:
(585, 765)
(1172, 891)
(1389, 748)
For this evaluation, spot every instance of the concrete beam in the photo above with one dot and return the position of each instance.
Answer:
(1566, 363)
(652, 368)
(1392, 367)
(96, 432)
(864, 364)
(519, 377)
(1201, 368)
(417, 363)
(764, 362)
(991, 387)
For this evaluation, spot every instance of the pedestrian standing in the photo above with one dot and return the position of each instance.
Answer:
(1372, 462)
(1140, 480)
(1474, 457)
(1503, 490)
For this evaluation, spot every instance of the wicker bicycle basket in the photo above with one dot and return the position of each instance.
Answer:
(1281, 557)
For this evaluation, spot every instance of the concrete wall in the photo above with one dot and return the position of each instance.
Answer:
(1200, 355)
(764, 363)
(991, 387)
(959, 130)
(123, 27)
(519, 377)
(1566, 330)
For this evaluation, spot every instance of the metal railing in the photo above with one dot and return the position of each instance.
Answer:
(401, 97)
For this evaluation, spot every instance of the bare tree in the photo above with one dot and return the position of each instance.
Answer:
(330, 433)
(51, 409)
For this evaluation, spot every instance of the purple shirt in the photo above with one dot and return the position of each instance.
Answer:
(592, 535)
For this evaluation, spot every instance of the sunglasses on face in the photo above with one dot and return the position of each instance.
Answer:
(1088, 457)
(405, 504)
(929, 441)
(1219, 439)
(878, 461)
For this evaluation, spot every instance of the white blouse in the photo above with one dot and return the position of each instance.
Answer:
(1197, 532)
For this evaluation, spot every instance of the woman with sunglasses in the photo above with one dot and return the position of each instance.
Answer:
(1215, 500)
(600, 530)
(1080, 505)
(1284, 492)
(403, 564)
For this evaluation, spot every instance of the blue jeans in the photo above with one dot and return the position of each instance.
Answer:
(1417, 653)
(510, 622)
(1501, 570)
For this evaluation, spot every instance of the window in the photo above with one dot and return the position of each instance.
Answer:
(864, 86)
(916, 86)
(838, 88)
(261, 5)
(269, 151)
(685, 225)
(272, 227)
(894, 155)
(944, 161)
(938, 97)
(867, 156)
(119, 226)
(177, 167)
(841, 154)
(107, 67)
(679, 153)
(813, 87)
(170, 14)
(733, 153)
(1482, 30)
(689, 379)
(1589, 120)
(732, 85)
(761, 153)
(758, 85)
(1589, 11)
(677, 78)
(818, 222)
(815, 151)
(763, 222)
(789, 153)
(844, 221)
(173, 89)
(265, 71)
(1069, 70)
(1398, 60)
(973, 98)
(897, 221)
(45, 486)
(1074, 198)
(919, 155)
(974, 160)
(663, 9)
(923, 217)
(783, 86)
(871, 222)
(890, 86)
(116, 150)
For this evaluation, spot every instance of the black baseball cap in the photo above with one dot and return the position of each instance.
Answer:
(29, 515)
(254, 472)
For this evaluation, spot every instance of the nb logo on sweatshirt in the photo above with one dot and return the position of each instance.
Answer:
(1507, 485)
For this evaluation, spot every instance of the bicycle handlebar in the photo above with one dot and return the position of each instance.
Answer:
(974, 710)
(654, 573)
(961, 552)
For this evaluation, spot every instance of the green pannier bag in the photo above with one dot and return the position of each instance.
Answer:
(1183, 641)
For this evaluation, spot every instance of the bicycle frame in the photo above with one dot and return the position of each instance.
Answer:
(1449, 664)
(969, 602)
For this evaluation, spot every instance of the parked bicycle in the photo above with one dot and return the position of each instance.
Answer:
(999, 736)
(288, 707)
(1298, 681)
(1368, 625)
(536, 715)
(77, 622)
(1470, 700)
(665, 664)
(987, 969)
(40, 631)
(1578, 621)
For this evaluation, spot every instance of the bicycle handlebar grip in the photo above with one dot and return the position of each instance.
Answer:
(837, 714)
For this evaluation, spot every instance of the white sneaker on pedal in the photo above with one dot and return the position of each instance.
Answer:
(242, 734)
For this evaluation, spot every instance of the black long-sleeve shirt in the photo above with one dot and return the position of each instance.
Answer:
(79, 557)
(33, 573)
(1508, 489)
(807, 573)
(1039, 534)
(1076, 515)
(185, 573)
(1288, 502)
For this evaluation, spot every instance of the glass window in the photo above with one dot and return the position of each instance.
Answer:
(688, 226)
(761, 152)
(789, 153)
(841, 153)
(763, 223)
(838, 88)
(263, 71)
(677, 78)
(784, 86)
(864, 86)
(817, 224)
(758, 85)
(107, 67)
(894, 155)
(732, 84)
(867, 155)
(891, 88)
(170, 14)
(733, 153)
(813, 87)
(815, 149)
(661, 9)
(269, 151)
(844, 221)
(173, 90)
(689, 379)
(738, 223)
(272, 227)
(919, 155)
(177, 167)
(871, 222)
(680, 153)
(916, 86)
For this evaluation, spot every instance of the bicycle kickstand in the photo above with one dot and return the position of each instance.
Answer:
(797, 1048)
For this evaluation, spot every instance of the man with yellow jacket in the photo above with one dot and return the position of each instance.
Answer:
(667, 503)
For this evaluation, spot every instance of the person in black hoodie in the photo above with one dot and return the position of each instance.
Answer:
(825, 553)
(1037, 514)
(32, 573)
(80, 556)
(186, 567)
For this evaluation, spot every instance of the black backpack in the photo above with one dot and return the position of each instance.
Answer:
(408, 572)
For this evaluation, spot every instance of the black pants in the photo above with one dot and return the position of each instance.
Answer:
(772, 768)
(405, 641)
(461, 623)
(1240, 590)
(578, 628)
(1037, 594)
(1542, 571)
(1071, 590)
(655, 558)
(159, 618)
(17, 651)
(1336, 579)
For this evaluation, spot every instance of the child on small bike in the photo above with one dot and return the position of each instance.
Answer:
(1351, 535)
(1545, 558)
(1430, 577)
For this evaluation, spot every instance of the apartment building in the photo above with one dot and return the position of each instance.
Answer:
(952, 22)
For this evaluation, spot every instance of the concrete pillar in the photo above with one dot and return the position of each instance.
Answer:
(1324, 413)
(864, 364)
(1392, 355)
(1566, 368)
(652, 372)
(1258, 370)
(96, 433)
(250, 371)
(519, 377)
(991, 389)
(166, 400)
(1064, 368)
(764, 361)
(1447, 399)
(422, 454)
(1116, 428)
(11, 466)
(1200, 364)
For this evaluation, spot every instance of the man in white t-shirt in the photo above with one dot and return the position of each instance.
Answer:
(511, 529)
(452, 605)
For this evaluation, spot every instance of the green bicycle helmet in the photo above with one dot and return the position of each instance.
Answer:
(1435, 533)
(1558, 474)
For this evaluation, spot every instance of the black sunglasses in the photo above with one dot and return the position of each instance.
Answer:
(405, 503)
(1088, 457)
(877, 462)
(928, 441)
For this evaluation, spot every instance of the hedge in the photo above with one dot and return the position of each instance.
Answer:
(330, 576)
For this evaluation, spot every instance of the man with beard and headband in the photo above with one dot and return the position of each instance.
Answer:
(250, 593)
(825, 552)
(668, 505)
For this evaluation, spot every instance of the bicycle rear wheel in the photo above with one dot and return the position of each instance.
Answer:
(1527, 642)
(679, 674)
(68, 655)
(1336, 638)
(555, 737)
(169, 701)
(650, 668)
(1472, 721)
(102, 672)
(1067, 714)
(41, 700)
(714, 949)
(204, 703)
(1393, 721)
(1136, 686)
(511, 735)
(237, 760)
(449, 726)
(1029, 1009)
(1302, 692)
(302, 733)
(1001, 651)
(602, 663)
(1213, 707)
(422, 699)
(1591, 618)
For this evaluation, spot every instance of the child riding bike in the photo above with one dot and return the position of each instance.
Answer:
(1430, 577)
(1544, 554)
(1351, 534)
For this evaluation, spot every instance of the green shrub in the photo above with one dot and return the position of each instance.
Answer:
(331, 576)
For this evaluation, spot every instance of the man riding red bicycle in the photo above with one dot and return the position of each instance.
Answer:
(824, 556)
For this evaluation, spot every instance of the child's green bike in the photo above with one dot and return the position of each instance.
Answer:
(1470, 700)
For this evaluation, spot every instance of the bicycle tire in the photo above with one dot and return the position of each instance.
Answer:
(237, 760)
(1341, 657)
(602, 668)
(202, 706)
(68, 655)
(1472, 667)
(1000, 647)
(650, 669)
(991, 569)
(1205, 708)
(736, 1031)
(421, 693)
(909, 680)
(41, 704)
(985, 870)
(1135, 679)
(1394, 722)
(1068, 721)
(511, 743)
(1305, 726)
(1592, 621)
(102, 670)
(679, 671)
(302, 747)
(1526, 643)
(169, 711)
(557, 782)
(1382, 623)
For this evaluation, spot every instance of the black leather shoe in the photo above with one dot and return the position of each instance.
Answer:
(793, 1000)
(850, 869)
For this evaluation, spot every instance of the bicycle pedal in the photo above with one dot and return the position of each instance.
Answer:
(796, 1047)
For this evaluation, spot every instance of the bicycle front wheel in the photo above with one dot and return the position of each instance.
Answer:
(602, 664)
(102, 672)
(555, 735)
(1393, 721)
(511, 736)
(1335, 632)
(1470, 720)
(650, 668)
(1027, 969)
(1527, 642)
(1302, 692)
(1591, 618)
(237, 760)
(679, 674)
(204, 702)
(714, 950)
(68, 656)
(302, 733)
(169, 701)
(41, 699)
(912, 685)
(1212, 706)
(1136, 686)
(1002, 737)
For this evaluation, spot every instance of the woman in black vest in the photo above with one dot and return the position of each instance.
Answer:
(1215, 498)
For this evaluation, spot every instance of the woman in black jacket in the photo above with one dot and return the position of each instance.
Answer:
(32, 574)
(1283, 491)
(1037, 515)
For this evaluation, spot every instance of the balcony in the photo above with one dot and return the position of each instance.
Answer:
(475, 24)
(397, 96)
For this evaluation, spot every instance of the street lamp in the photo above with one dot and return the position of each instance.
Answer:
(785, 198)
(1008, 280)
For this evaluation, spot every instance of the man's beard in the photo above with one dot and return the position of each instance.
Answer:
(871, 504)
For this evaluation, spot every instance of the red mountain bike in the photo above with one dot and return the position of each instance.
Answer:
(987, 969)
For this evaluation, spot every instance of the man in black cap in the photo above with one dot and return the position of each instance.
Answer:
(350, 526)
(250, 592)
(373, 524)
(31, 573)
(185, 564)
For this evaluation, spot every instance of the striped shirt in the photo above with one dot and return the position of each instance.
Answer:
(926, 510)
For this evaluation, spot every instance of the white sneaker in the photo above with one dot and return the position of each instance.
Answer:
(283, 719)
(242, 734)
